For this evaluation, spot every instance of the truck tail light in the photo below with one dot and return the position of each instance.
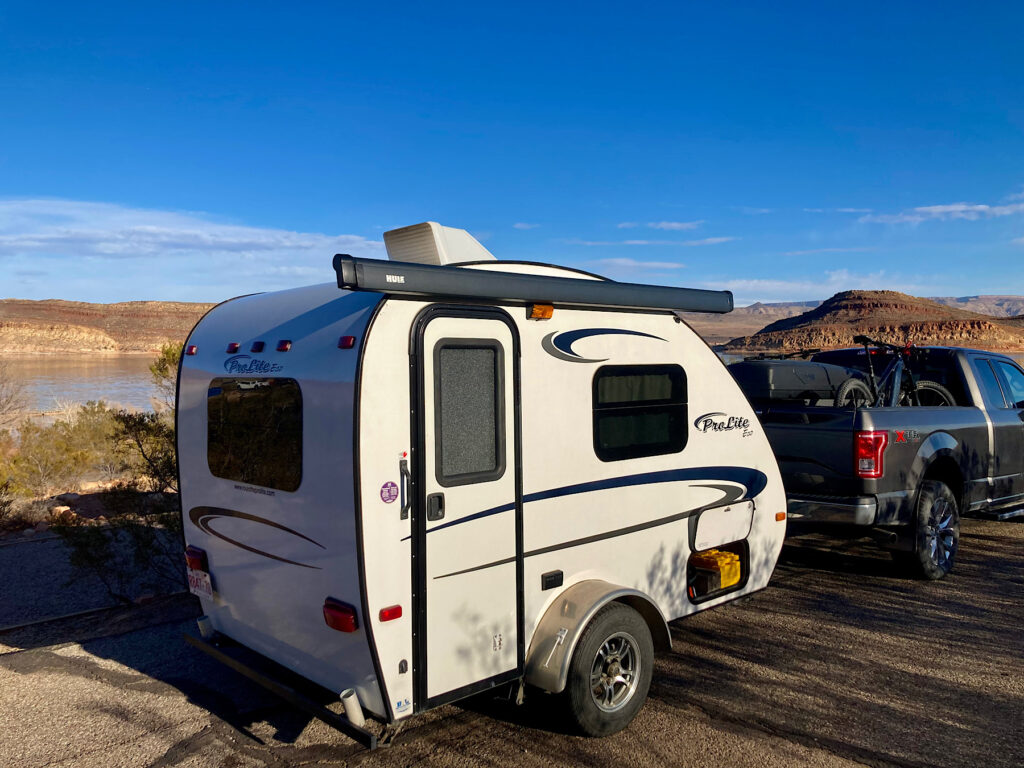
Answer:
(868, 452)
(340, 616)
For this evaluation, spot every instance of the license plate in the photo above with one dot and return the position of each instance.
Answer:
(199, 583)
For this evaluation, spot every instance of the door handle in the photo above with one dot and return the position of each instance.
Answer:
(403, 470)
(435, 506)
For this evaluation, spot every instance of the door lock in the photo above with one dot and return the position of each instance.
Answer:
(435, 506)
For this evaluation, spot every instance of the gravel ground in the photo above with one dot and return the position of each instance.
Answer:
(839, 662)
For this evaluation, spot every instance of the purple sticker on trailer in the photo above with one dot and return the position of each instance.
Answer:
(388, 492)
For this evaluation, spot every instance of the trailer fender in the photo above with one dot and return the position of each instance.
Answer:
(559, 630)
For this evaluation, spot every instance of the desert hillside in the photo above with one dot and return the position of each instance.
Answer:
(888, 316)
(75, 326)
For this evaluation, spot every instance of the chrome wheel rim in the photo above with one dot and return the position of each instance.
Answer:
(615, 672)
(941, 533)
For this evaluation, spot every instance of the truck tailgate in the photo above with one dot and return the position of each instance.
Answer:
(814, 448)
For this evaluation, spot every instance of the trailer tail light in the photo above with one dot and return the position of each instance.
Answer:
(232, 347)
(196, 559)
(340, 616)
(391, 613)
(346, 342)
(192, 349)
(284, 345)
(868, 452)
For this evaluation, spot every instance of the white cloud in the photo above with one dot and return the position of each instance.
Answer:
(674, 225)
(1019, 241)
(820, 286)
(524, 225)
(634, 264)
(627, 225)
(107, 252)
(814, 210)
(682, 243)
(753, 211)
(813, 251)
(853, 210)
(1016, 195)
(947, 212)
(107, 230)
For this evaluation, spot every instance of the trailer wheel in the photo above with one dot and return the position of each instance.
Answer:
(610, 672)
(936, 532)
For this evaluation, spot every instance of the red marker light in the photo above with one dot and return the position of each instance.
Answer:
(346, 342)
(340, 616)
(232, 347)
(257, 346)
(195, 558)
(284, 345)
(192, 349)
(391, 613)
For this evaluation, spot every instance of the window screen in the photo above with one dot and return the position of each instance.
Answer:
(1015, 383)
(254, 431)
(639, 410)
(988, 383)
(469, 411)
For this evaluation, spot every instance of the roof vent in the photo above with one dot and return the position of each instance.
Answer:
(430, 243)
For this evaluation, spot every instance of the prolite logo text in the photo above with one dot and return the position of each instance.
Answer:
(395, 278)
(240, 364)
(719, 422)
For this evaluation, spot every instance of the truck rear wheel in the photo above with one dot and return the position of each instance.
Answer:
(610, 672)
(936, 532)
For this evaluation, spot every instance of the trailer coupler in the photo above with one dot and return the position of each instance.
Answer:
(229, 653)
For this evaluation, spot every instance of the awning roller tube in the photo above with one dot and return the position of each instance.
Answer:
(466, 283)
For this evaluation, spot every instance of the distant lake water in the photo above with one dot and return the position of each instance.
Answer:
(117, 379)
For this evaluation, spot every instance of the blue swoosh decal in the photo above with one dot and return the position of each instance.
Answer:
(753, 480)
(559, 345)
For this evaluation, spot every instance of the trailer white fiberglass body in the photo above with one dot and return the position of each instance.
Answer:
(434, 478)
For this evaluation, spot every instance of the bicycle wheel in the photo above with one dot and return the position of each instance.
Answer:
(853, 393)
(933, 394)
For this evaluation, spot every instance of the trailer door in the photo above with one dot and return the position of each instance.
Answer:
(467, 522)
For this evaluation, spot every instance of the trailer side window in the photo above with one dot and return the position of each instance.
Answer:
(469, 411)
(639, 410)
(254, 431)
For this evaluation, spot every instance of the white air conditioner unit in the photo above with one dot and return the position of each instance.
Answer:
(430, 243)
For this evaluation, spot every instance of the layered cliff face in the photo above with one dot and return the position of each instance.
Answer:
(887, 316)
(74, 326)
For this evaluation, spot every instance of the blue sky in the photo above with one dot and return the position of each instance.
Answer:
(195, 151)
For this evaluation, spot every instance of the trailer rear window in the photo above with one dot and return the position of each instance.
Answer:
(254, 432)
(639, 410)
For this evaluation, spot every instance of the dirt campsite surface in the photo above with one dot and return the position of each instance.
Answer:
(840, 661)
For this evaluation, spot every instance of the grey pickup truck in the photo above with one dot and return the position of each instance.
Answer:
(896, 442)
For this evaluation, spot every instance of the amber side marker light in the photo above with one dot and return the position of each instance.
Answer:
(541, 312)
(780, 516)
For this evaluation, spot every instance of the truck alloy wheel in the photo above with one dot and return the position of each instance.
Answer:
(937, 531)
(610, 672)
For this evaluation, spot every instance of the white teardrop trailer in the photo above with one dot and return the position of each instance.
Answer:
(448, 473)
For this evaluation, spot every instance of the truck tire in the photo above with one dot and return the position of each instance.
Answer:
(936, 532)
(610, 671)
(853, 393)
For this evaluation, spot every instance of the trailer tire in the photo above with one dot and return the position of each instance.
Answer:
(610, 672)
(853, 393)
(936, 532)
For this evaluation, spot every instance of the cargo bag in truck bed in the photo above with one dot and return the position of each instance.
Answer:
(794, 380)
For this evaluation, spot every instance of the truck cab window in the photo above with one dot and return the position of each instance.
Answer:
(1013, 377)
(989, 385)
(639, 410)
(254, 431)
